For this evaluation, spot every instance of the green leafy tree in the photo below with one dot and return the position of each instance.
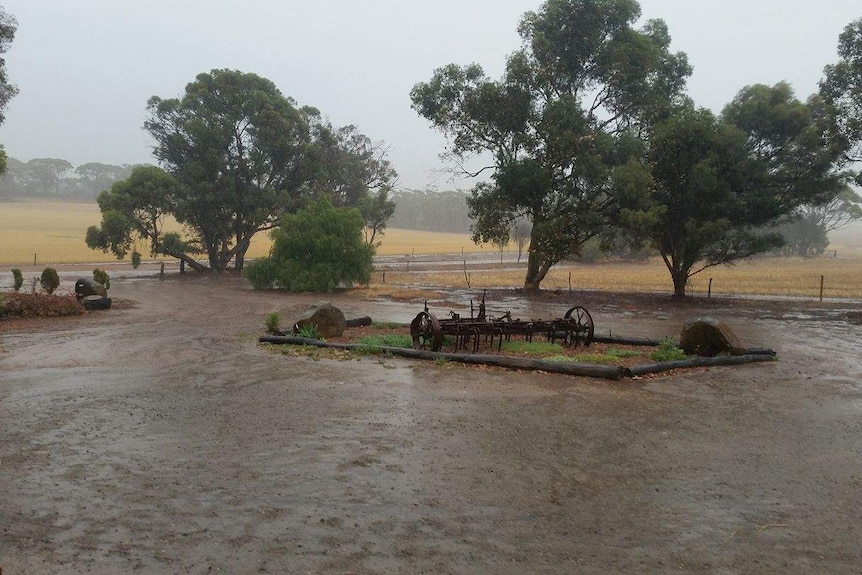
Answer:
(136, 208)
(709, 188)
(315, 249)
(841, 87)
(564, 113)
(244, 155)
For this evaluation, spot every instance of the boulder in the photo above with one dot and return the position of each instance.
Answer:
(709, 337)
(328, 319)
(85, 287)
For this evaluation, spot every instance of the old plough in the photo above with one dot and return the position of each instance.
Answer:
(428, 332)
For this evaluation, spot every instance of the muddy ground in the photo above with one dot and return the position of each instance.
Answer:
(160, 438)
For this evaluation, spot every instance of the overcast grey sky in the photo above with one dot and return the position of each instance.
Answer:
(85, 69)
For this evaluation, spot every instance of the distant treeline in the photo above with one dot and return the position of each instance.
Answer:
(430, 210)
(56, 179)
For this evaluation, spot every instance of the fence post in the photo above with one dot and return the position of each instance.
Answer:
(709, 293)
(822, 281)
(162, 271)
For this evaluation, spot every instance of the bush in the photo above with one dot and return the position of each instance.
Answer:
(271, 322)
(49, 280)
(42, 305)
(18, 279)
(101, 277)
(315, 250)
(136, 260)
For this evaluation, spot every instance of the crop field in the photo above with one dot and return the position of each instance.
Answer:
(53, 232)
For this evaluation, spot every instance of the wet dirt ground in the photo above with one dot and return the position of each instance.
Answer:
(160, 438)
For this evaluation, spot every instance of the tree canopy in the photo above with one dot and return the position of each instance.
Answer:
(842, 88)
(8, 27)
(707, 189)
(565, 112)
(240, 155)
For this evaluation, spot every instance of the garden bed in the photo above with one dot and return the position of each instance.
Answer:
(611, 358)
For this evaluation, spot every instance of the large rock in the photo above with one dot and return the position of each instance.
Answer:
(328, 319)
(85, 287)
(709, 336)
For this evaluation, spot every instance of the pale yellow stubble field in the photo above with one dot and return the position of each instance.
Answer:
(55, 231)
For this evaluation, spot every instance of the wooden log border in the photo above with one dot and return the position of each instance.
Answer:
(525, 363)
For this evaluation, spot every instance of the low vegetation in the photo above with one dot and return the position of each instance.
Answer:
(30, 305)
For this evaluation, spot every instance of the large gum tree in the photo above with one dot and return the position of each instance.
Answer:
(565, 112)
(238, 149)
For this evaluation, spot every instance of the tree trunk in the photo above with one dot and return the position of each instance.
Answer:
(680, 279)
(536, 271)
(241, 249)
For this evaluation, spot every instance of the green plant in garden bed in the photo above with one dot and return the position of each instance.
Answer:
(668, 351)
(386, 340)
(309, 332)
(271, 322)
(532, 347)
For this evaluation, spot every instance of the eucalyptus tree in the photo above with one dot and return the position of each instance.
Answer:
(238, 149)
(569, 107)
(842, 88)
(708, 190)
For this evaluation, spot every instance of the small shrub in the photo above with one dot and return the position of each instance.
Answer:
(668, 351)
(309, 331)
(271, 322)
(136, 259)
(18, 279)
(49, 280)
(101, 277)
(441, 361)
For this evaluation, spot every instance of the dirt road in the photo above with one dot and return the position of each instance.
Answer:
(162, 439)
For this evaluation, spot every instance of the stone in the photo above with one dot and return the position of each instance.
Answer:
(709, 337)
(86, 287)
(328, 319)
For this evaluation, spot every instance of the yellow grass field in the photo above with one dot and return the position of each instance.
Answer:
(54, 232)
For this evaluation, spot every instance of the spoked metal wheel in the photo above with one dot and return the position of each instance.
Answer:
(426, 333)
(580, 328)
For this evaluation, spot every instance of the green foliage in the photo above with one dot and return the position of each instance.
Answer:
(708, 190)
(8, 26)
(531, 347)
(557, 122)
(49, 280)
(136, 259)
(668, 351)
(244, 155)
(101, 277)
(18, 279)
(315, 249)
(806, 230)
(441, 361)
(272, 321)
(41, 305)
(841, 88)
(309, 331)
(386, 340)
